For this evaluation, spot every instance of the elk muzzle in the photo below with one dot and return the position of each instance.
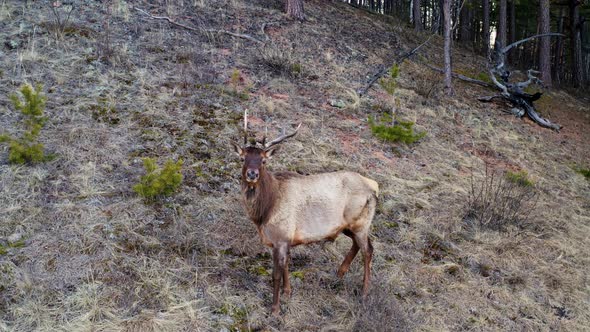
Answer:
(252, 175)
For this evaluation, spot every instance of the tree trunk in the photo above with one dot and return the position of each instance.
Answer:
(512, 28)
(486, 27)
(576, 44)
(558, 54)
(416, 15)
(501, 33)
(424, 15)
(545, 43)
(464, 23)
(447, 45)
(476, 35)
(440, 16)
(295, 9)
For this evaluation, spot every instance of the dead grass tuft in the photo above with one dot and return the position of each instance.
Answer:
(280, 61)
(381, 312)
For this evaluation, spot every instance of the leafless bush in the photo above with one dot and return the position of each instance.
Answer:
(280, 61)
(498, 201)
(62, 12)
(381, 312)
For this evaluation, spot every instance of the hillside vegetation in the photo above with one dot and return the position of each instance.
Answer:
(80, 250)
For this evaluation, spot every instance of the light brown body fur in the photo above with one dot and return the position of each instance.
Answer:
(319, 207)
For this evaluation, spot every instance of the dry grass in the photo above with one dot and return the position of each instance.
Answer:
(92, 256)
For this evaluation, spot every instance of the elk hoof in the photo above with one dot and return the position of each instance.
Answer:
(365, 294)
(276, 310)
(287, 292)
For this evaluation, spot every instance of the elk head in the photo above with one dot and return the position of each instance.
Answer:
(255, 156)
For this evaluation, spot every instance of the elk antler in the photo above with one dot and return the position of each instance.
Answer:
(281, 138)
(245, 127)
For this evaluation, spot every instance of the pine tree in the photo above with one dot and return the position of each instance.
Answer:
(545, 43)
(295, 9)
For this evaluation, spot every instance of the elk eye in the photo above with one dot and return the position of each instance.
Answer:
(242, 159)
(263, 161)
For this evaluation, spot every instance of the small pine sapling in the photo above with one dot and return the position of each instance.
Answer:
(32, 105)
(389, 83)
(401, 131)
(388, 127)
(234, 80)
(159, 182)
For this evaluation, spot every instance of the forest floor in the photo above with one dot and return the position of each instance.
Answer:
(79, 250)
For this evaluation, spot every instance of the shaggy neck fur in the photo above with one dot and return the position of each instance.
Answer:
(260, 199)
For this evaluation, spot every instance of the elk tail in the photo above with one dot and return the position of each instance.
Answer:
(372, 184)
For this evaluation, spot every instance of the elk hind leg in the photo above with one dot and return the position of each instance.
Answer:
(366, 248)
(364, 242)
(350, 256)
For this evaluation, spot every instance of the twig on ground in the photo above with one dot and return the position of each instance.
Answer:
(171, 21)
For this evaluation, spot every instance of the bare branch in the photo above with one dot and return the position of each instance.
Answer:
(489, 98)
(459, 76)
(532, 79)
(530, 111)
(239, 35)
(498, 84)
(458, 11)
(153, 17)
(166, 18)
(516, 43)
(384, 70)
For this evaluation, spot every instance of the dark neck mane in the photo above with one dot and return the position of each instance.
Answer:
(260, 199)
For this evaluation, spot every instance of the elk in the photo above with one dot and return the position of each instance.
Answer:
(289, 209)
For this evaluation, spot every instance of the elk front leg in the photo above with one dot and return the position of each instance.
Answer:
(286, 282)
(279, 257)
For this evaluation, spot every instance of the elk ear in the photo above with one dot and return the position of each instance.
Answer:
(237, 148)
(269, 152)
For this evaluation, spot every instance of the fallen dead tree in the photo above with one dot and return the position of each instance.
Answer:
(514, 92)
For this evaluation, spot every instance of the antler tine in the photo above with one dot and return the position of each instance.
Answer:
(281, 138)
(265, 134)
(245, 127)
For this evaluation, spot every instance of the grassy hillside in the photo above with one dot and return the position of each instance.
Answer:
(79, 250)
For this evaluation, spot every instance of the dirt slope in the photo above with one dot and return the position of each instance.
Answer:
(121, 86)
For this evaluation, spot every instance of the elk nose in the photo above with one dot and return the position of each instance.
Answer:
(252, 174)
